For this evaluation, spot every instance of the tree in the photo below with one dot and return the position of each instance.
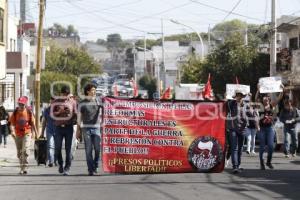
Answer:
(48, 78)
(71, 31)
(70, 61)
(234, 59)
(148, 83)
(101, 42)
(61, 31)
(229, 60)
(191, 70)
(114, 41)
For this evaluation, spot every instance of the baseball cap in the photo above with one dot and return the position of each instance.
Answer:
(23, 100)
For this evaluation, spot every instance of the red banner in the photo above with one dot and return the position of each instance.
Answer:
(142, 136)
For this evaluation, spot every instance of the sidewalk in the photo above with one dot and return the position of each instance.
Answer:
(8, 155)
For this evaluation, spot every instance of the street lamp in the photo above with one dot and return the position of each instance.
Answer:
(156, 66)
(200, 38)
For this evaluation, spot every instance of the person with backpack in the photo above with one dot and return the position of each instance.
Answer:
(237, 126)
(266, 133)
(89, 124)
(49, 126)
(4, 117)
(23, 129)
(64, 112)
(289, 117)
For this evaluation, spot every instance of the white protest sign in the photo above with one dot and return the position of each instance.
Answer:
(270, 85)
(231, 88)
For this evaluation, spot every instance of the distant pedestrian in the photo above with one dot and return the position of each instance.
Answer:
(21, 126)
(4, 117)
(49, 126)
(89, 124)
(237, 126)
(266, 132)
(289, 117)
(65, 113)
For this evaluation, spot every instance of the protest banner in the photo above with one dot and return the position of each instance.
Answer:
(143, 136)
(270, 85)
(231, 88)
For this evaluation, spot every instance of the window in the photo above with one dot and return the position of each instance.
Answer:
(1, 25)
(293, 43)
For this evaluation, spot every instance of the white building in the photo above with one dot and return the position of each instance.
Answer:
(3, 38)
(18, 66)
(288, 61)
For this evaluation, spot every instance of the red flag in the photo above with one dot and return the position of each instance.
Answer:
(115, 90)
(207, 89)
(167, 94)
(237, 80)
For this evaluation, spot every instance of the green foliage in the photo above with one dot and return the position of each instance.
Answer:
(59, 30)
(115, 41)
(70, 61)
(191, 70)
(148, 83)
(101, 42)
(49, 78)
(229, 60)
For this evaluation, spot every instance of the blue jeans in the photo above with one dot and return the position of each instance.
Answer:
(294, 141)
(92, 141)
(3, 133)
(251, 133)
(61, 134)
(237, 140)
(51, 147)
(266, 137)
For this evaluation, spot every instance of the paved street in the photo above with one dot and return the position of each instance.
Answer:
(47, 184)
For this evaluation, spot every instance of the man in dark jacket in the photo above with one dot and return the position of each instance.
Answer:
(237, 126)
(289, 117)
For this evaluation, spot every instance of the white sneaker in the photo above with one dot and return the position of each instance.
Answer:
(253, 153)
(294, 155)
(287, 156)
(227, 163)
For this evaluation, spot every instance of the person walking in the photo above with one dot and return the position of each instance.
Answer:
(237, 126)
(266, 132)
(65, 113)
(89, 123)
(23, 129)
(4, 117)
(289, 117)
(252, 127)
(49, 126)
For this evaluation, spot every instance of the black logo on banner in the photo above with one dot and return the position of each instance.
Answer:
(205, 153)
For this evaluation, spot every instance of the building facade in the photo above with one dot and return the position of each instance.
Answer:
(288, 60)
(3, 37)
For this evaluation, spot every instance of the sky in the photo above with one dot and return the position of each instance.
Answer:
(134, 19)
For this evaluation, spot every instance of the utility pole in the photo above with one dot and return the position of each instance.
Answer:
(273, 49)
(145, 61)
(23, 9)
(163, 55)
(209, 38)
(246, 36)
(38, 64)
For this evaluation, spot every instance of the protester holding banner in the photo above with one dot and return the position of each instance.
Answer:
(89, 124)
(289, 117)
(266, 132)
(237, 126)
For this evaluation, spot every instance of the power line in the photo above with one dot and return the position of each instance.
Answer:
(138, 19)
(225, 11)
(106, 20)
(234, 7)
